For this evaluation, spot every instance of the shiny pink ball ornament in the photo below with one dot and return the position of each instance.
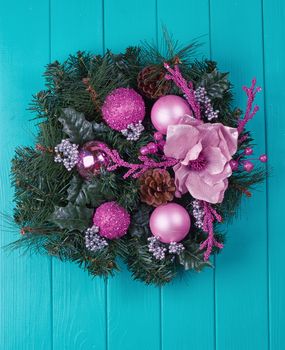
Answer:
(91, 159)
(167, 110)
(170, 223)
(123, 107)
(112, 220)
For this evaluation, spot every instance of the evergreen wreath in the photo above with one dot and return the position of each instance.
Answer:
(140, 156)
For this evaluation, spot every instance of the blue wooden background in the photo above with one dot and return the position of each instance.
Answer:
(46, 304)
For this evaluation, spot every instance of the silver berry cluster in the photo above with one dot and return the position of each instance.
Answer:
(66, 153)
(202, 98)
(198, 213)
(133, 131)
(93, 241)
(176, 248)
(159, 251)
(154, 247)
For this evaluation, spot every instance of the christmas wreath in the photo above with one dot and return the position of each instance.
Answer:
(139, 156)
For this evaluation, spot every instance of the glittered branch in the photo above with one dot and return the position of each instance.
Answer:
(135, 170)
(250, 112)
(210, 214)
(186, 88)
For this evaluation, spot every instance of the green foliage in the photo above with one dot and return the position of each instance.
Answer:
(78, 129)
(54, 207)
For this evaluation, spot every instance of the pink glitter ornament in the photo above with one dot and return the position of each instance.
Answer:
(123, 107)
(112, 220)
(170, 223)
(91, 159)
(168, 110)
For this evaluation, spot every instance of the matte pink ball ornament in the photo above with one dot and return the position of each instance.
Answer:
(112, 220)
(123, 107)
(168, 110)
(170, 223)
(91, 159)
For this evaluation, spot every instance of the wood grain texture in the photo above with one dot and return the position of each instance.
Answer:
(241, 272)
(180, 306)
(25, 282)
(274, 58)
(79, 302)
(133, 308)
(239, 305)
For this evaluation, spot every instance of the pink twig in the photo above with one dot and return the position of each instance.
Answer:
(186, 88)
(210, 214)
(136, 170)
(249, 113)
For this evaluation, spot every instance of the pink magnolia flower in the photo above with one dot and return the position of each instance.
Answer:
(204, 151)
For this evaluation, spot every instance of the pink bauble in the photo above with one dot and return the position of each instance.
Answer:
(112, 220)
(170, 223)
(122, 107)
(91, 159)
(167, 110)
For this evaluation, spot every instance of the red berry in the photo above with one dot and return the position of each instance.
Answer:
(248, 166)
(248, 151)
(234, 164)
(263, 158)
(152, 147)
(158, 136)
(144, 151)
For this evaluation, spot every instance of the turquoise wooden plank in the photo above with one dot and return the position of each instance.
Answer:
(274, 56)
(189, 301)
(241, 273)
(25, 319)
(79, 302)
(133, 308)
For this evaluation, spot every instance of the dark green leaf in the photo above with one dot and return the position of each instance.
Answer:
(193, 260)
(76, 126)
(215, 83)
(140, 221)
(72, 217)
(86, 193)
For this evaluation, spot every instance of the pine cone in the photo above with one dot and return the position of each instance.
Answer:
(151, 81)
(156, 187)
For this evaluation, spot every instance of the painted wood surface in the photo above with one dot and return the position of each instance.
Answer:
(46, 304)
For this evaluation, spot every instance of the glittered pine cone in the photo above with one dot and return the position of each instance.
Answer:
(151, 81)
(156, 187)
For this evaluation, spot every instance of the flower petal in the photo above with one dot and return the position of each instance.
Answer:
(211, 179)
(228, 141)
(181, 173)
(192, 154)
(215, 160)
(202, 191)
(179, 140)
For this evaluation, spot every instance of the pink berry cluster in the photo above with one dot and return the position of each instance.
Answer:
(153, 147)
(247, 164)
